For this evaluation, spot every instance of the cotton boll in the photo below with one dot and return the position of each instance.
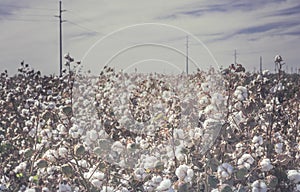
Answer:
(30, 190)
(92, 135)
(118, 147)
(210, 109)
(184, 173)
(99, 175)
(203, 100)
(278, 147)
(294, 176)
(178, 134)
(240, 97)
(63, 152)
(225, 170)
(96, 183)
(21, 167)
(259, 186)
(45, 189)
(149, 162)
(266, 165)
(64, 187)
(246, 160)
(179, 155)
(217, 99)
(107, 189)
(241, 93)
(140, 174)
(83, 163)
(239, 147)
(205, 87)
(257, 140)
(164, 185)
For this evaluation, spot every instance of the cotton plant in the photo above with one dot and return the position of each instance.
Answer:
(38, 122)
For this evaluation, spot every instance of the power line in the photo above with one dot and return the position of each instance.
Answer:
(83, 27)
(34, 15)
(22, 7)
(26, 20)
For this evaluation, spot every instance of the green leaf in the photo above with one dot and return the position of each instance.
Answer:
(41, 163)
(183, 188)
(35, 178)
(159, 165)
(67, 111)
(272, 181)
(46, 116)
(225, 188)
(67, 170)
(212, 181)
(28, 153)
(241, 173)
(79, 150)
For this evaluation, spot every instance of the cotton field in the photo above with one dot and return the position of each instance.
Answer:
(213, 130)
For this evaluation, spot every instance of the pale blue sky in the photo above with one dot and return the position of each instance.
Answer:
(265, 28)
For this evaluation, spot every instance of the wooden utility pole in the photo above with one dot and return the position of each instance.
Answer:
(187, 55)
(260, 64)
(60, 36)
(235, 57)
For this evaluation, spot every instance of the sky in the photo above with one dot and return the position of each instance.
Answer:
(150, 36)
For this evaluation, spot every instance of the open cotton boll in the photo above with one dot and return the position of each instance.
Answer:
(205, 87)
(92, 135)
(140, 174)
(118, 147)
(30, 190)
(149, 162)
(203, 100)
(179, 134)
(246, 160)
(257, 140)
(259, 186)
(294, 176)
(266, 165)
(107, 189)
(164, 185)
(96, 183)
(241, 93)
(278, 147)
(225, 170)
(64, 187)
(178, 153)
(62, 151)
(184, 173)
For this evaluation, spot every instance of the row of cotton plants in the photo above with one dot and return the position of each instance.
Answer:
(208, 131)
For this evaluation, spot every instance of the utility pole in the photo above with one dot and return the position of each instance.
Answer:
(235, 57)
(260, 64)
(187, 55)
(60, 36)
